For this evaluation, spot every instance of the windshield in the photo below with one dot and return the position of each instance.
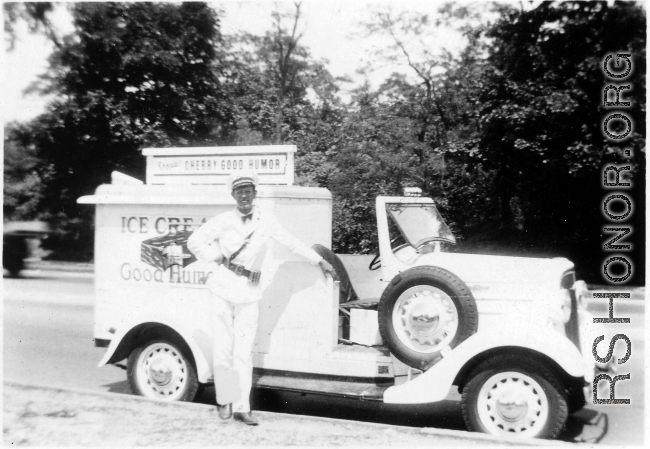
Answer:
(419, 223)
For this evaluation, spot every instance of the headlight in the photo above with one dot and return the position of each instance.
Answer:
(564, 301)
(582, 292)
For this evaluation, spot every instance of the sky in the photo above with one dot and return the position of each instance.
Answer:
(329, 28)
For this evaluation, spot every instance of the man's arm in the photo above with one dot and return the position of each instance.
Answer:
(202, 242)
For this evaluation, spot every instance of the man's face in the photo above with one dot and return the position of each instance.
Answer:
(244, 195)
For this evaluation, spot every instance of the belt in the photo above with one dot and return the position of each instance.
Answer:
(240, 270)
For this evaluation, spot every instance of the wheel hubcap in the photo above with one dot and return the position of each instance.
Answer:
(511, 407)
(513, 403)
(425, 319)
(162, 372)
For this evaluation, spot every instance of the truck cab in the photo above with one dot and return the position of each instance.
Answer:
(404, 326)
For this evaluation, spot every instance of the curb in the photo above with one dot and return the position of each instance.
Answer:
(73, 267)
(105, 394)
(55, 265)
(465, 438)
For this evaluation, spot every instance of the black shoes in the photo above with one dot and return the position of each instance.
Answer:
(247, 418)
(225, 411)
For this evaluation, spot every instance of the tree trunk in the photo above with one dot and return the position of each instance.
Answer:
(279, 118)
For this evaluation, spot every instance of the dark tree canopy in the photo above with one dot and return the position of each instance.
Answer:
(22, 187)
(541, 121)
(131, 75)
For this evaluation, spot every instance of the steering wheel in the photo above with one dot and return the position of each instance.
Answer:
(375, 263)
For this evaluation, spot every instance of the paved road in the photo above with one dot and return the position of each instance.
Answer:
(48, 320)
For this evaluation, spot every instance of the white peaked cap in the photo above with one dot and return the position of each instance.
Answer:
(242, 178)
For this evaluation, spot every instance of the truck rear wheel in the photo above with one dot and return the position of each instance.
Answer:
(424, 311)
(519, 398)
(161, 370)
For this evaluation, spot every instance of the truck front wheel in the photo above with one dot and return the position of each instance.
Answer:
(518, 398)
(161, 370)
(424, 311)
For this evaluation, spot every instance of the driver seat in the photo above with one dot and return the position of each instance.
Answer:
(348, 298)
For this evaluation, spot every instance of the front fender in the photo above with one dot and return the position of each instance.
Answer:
(434, 384)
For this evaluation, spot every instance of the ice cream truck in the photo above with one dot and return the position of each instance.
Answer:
(406, 326)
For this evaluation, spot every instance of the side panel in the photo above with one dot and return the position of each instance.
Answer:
(123, 242)
(130, 279)
(299, 314)
(309, 220)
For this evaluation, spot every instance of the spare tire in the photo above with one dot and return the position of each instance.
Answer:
(423, 311)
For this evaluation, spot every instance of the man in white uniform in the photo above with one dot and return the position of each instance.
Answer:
(237, 241)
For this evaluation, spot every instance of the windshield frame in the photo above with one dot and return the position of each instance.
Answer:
(392, 206)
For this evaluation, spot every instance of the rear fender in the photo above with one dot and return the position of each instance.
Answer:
(434, 384)
(198, 342)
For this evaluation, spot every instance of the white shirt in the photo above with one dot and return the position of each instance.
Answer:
(225, 233)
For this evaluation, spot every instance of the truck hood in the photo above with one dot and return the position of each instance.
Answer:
(501, 277)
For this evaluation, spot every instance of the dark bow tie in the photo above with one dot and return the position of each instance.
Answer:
(246, 217)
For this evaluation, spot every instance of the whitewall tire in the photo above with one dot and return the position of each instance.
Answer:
(162, 370)
(518, 398)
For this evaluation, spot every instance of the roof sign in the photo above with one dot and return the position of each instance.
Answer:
(211, 165)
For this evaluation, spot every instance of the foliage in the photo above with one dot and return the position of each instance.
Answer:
(22, 187)
(132, 75)
(503, 131)
(271, 79)
(35, 14)
(541, 115)
(372, 155)
(412, 131)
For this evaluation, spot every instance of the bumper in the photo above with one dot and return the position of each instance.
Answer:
(589, 331)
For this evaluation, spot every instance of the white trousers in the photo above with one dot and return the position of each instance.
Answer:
(235, 327)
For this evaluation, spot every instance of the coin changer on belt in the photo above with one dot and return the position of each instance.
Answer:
(240, 270)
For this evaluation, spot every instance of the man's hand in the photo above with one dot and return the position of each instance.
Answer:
(220, 259)
(327, 268)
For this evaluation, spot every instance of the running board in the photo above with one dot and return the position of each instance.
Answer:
(364, 390)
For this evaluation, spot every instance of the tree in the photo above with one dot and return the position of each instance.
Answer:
(414, 130)
(282, 48)
(282, 94)
(132, 75)
(273, 77)
(22, 183)
(35, 14)
(541, 115)
(436, 89)
(372, 155)
(357, 154)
